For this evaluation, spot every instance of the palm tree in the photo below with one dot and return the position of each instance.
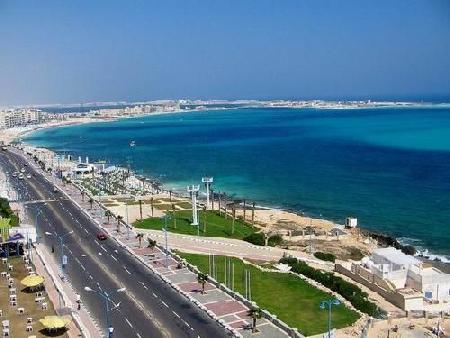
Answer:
(253, 213)
(151, 204)
(173, 216)
(255, 313)
(82, 194)
(220, 198)
(204, 219)
(139, 236)
(202, 278)
(108, 214)
(91, 201)
(151, 243)
(233, 209)
(140, 207)
(119, 218)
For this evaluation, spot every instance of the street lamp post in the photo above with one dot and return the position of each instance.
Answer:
(328, 304)
(61, 243)
(166, 218)
(39, 212)
(105, 296)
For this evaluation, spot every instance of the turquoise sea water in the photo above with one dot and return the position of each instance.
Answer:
(389, 167)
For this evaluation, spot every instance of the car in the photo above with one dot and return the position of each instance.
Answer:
(28, 176)
(55, 189)
(101, 236)
(22, 170)
(20, 176)
(14, 174)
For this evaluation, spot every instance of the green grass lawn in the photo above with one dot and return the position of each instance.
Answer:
(216, 225)
(294, 301)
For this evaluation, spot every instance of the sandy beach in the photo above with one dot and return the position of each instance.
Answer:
(9, 135)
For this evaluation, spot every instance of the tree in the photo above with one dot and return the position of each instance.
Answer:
(255, 313)
(108, 214)
(140, 208)
(202, 278)
(82, 194)
(253, 213)
(233, 211)
(205, 214)
(173, 216)
(151, 204)
(91, 201)
(139, 236)
(119, 218)
(151, 243)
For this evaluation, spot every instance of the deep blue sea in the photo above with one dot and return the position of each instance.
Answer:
(389, 167)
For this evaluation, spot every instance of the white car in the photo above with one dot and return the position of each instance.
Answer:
(22, 170)
(20, 176)
(28, 176)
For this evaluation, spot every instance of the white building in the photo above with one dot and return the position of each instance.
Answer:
(19, 117)
(403, 280)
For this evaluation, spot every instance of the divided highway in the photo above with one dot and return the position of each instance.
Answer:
(149, 307)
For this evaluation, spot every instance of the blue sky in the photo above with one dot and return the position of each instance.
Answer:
(82, 51)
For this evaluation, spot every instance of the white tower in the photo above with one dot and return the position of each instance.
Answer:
(208, 181)
(193, 190)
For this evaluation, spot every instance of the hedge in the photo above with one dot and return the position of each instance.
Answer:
(349, 291)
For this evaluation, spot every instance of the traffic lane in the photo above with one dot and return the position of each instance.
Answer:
(84, 269)
(197, 317)
(138, 275)
(50, 225)
(113, 256)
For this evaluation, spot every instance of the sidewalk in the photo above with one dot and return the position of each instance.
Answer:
(63, 296)
(230, 247)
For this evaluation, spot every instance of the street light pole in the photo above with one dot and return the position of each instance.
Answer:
(166, 217)
(328, 304)
(61, 243)
(105, 296)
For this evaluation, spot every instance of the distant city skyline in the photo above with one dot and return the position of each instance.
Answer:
(83, 51)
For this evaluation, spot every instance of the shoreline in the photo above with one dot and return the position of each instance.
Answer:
(272, 215)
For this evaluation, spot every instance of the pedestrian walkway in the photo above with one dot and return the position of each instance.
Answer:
(230, 247)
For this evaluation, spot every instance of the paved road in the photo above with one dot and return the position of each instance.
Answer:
(149, 308)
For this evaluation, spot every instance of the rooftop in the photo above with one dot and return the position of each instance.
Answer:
(396, 256)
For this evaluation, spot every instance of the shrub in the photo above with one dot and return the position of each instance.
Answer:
(6, 212)
(275, 240)
(349, 291)
(328, 257)
(256, 238)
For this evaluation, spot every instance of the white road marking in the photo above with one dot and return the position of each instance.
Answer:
(85, 230)
(164, 303)
(101, 246)
(154, 295)
(176, 314)
(128, 322)
(114, 258)
(139, 336)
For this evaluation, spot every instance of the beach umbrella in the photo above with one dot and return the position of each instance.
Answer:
(32, 280)
(54, 322)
